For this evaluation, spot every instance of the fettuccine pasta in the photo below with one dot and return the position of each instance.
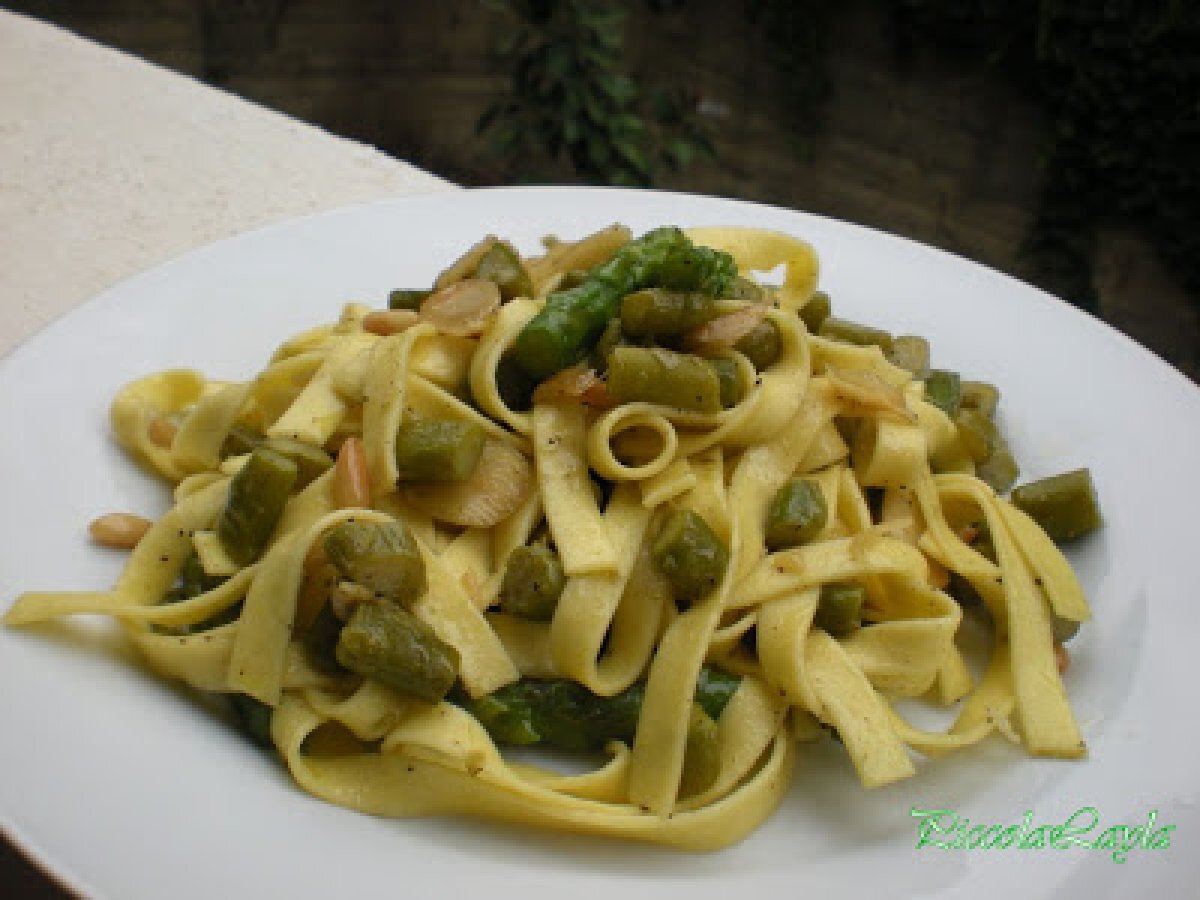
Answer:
(678, 593)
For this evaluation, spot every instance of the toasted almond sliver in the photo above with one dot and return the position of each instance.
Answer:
(464, 308)
(569, 384)
(870, 393)
(503, 479)
(723, 332)
(390, 321)
(120, 531)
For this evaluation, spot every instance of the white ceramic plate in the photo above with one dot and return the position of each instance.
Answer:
(124, 788)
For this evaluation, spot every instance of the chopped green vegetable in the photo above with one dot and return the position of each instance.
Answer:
(381, 556)
(563, 714)
(978, 434)
(999, 470)
(656, 375)
(253, 717)
(855, 333)
(943, 389)
(981, 396)
(192, 582)
(1065, 505)
(815, 312)
(239, 441)
(690, 555)
(501, 264)
(761, 345)
(910, 352)
(745, 290)
(657, 312)
(714, 689)
(533, 582)
(731, 385)
(1064, 629)
(311, 462)
(571, 320)
(257, 495)
(839, 610)
(514, 386)
(796, 515)
(558, 713)
(385, 642)
(611, 338)
(438, 449)
(321, 640)
(407, 299)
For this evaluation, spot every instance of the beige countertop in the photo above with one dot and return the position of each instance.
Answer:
(109, 165)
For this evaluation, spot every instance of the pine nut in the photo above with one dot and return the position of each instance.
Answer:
(351, 483)
(120, 531)
(390, 321)
(161, 431)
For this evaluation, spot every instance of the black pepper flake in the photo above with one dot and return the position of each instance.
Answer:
(164, 559)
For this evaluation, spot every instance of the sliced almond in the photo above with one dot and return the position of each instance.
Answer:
(501, 482)
(463, 309)
(868, 394)
(569, 384)
(723, 332)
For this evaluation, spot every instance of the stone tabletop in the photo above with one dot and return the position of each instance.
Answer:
(110, 165)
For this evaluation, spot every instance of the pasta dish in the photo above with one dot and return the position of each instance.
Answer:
(630, 499)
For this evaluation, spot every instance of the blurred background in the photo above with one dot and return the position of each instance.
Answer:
(1051, 139)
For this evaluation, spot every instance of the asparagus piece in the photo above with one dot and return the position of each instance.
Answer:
(796, 515)
(571, 320)
(385, 642)
(257, 495)
(381, 556)
(533, 582)
(691, 557)
(438, 449)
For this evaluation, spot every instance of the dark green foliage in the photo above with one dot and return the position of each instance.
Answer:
(569, 98)
(796, 34)
(1119, 80)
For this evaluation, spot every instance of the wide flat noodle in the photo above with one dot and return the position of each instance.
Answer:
(559, 435)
